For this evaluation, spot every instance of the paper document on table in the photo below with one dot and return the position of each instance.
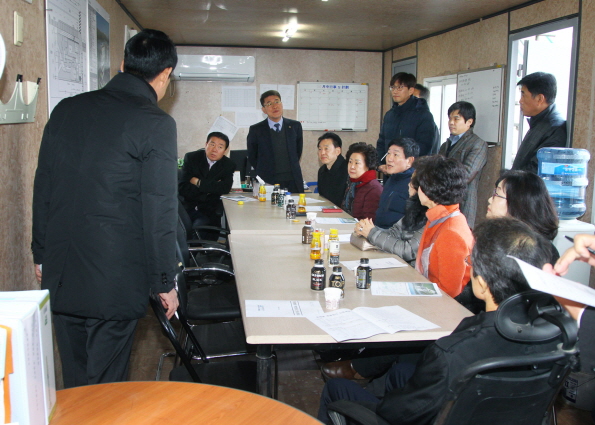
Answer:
(406, 289)
(375, 263)
(282, 308)
(314, 209)
(345, 238)
(314, 201)
(556, 285)
(237, 198)
(327, 220)
(364, 322)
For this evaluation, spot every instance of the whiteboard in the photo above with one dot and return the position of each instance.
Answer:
(333, 106)
(483, 88)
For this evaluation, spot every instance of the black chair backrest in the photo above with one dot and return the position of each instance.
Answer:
(240, 158)
(534, 316)
(517, 389)
(170, 332)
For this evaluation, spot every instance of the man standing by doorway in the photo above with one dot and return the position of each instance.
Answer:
(547, 127)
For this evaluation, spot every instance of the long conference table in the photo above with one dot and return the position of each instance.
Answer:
(271, 263)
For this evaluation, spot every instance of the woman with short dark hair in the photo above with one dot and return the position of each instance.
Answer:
(447, 239)
(363, 192)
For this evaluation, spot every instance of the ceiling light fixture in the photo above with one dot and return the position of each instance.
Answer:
(290, 31)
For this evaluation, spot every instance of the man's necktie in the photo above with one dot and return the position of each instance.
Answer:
(277, 127)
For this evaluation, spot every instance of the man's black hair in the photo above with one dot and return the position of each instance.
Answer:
(466, 110)
(541, 83)
(497, 238)
(424, 92)
(267, 94)
(410, 146)
(405, 79)
(219, 135)
(337, 142)
(148, 53)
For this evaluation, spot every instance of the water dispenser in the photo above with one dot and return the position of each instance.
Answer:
(564, 171)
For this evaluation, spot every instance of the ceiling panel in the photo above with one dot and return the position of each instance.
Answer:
(332, 24)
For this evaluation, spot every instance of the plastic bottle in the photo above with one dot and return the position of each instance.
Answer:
(290, 210)
(315, 246)
(564, 171)
(307, 232)
(286, 199)
(262, 193)
(274, 195)
(363, 275)
(281, 198)
(302, 204)
(318, 276)
(334, 248)
(337, 280)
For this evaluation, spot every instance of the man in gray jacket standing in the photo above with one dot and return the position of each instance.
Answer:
(469, 149)
(104, 212)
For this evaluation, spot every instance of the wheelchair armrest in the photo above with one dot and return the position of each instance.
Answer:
(363, 413)
(214, 228)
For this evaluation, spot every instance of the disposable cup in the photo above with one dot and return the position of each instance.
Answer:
(312, 217)
(332, 297)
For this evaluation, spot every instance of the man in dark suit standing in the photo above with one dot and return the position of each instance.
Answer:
(104, 212)
(275, 145)
(206, 175)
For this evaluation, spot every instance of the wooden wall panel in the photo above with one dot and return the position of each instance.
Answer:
(404, 52)
(542, 12)
(584, 116)
(21, 141)
(475, 46)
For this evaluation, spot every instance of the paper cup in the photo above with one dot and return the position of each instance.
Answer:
(312, 217)
(332, 297)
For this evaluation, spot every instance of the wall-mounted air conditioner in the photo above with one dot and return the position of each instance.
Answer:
(215, 68)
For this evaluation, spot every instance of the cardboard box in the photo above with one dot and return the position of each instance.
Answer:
(30, 312)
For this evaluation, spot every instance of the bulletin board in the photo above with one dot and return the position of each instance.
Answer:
(333, 106)
(483, 88)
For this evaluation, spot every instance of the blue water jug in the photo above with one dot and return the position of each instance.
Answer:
(564, 171)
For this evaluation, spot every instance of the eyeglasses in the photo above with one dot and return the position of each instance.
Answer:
(276, 102)
(394, 88)
(495, 193)
(468, 260)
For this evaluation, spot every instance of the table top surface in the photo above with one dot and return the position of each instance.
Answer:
(277, 267)
(175, 403)
(263, 218)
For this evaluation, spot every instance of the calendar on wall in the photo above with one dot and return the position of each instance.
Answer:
(333, 106)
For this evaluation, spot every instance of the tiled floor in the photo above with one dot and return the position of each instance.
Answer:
(300, 383)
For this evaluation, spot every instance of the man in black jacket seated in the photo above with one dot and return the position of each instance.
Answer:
(206, 175)
(415, 394)
(332, 176)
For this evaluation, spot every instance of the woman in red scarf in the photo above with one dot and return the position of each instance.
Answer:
(363, 192)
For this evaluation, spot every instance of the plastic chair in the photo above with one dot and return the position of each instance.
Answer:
(502, 390)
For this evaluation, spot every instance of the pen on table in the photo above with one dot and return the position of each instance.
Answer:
(588, 249)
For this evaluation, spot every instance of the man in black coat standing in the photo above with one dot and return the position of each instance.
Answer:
(275, 145)
(206, 175)
(104, 212)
